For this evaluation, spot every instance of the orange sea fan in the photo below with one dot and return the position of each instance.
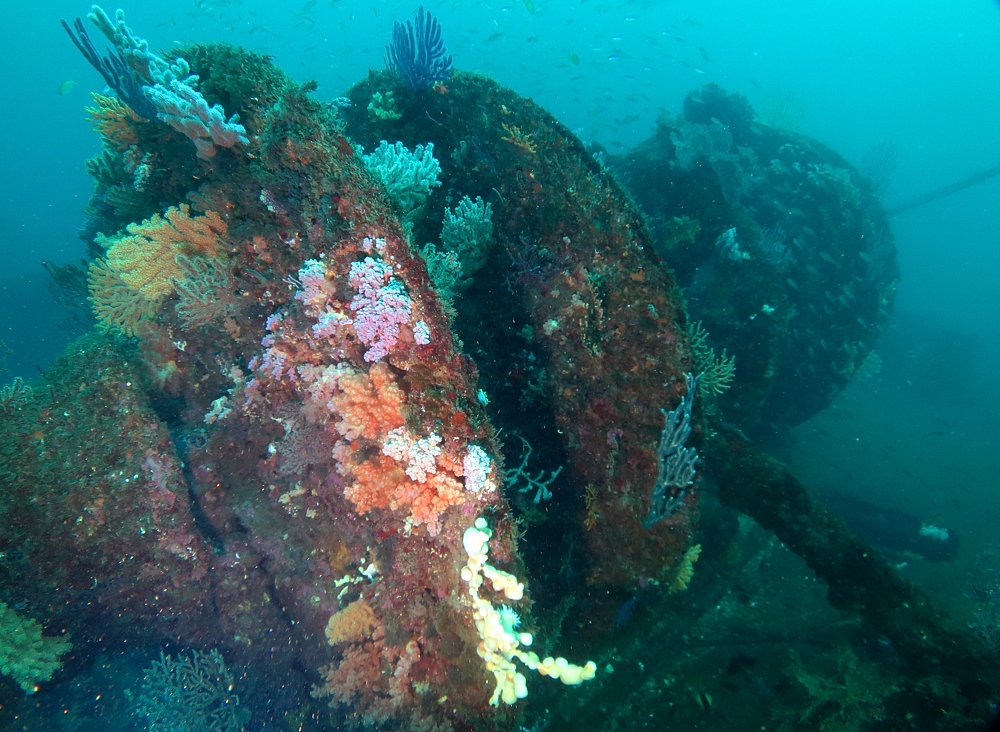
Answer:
(116, 306)
(145, 258)
(114, 122)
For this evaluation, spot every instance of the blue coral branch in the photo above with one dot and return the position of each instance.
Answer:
(116, 72)
(677, 464)
(417, 54)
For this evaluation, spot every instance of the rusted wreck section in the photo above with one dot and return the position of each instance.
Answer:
(574, 254)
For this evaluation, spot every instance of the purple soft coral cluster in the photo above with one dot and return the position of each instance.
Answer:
(315, 292)
(381, 304)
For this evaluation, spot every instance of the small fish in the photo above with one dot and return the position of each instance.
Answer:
(531, 39)
(574, 59)
(624, 614)
(65, 87)
(495, 37)
(704, 54)
(529, 6)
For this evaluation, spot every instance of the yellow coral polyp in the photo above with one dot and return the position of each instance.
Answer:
(499, 645)
(686, 569)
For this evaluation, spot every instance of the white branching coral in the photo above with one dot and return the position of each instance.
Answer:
(408, 176)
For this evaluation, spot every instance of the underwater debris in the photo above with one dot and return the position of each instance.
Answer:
(582, 278)
(764, 489)
(806, 224)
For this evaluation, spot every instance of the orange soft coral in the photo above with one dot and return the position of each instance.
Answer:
(369, 405)
(381, 482)
(353, 623)
(376, 482)
(439, 492)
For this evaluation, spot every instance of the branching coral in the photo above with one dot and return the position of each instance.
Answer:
(467, 230)
(25, 654)
(408, 176)
(717, 372)
(190, 693)
(14, 395)
(417, 54)
(155, 87)
(852, 697)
